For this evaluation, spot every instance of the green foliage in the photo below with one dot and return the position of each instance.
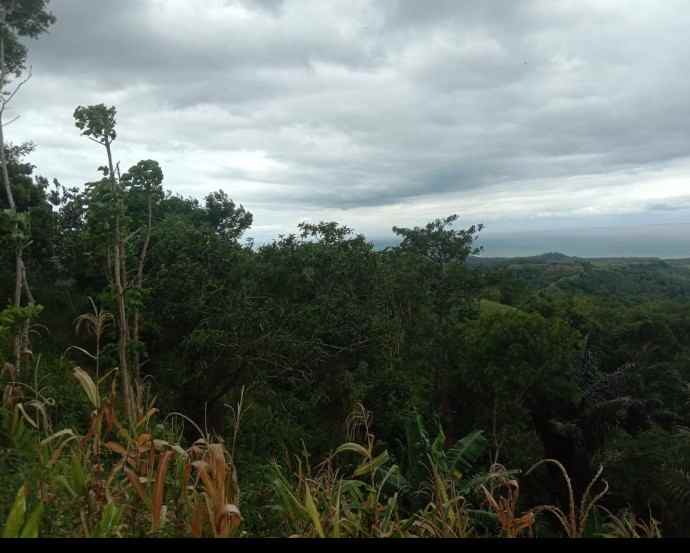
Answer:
(454, 462)
(108, 525)
(18, 524)
(228, 220)
(96, 122)
(584, 362)
(28, 18)
(12, 319)
(146, 176)
(437, 242)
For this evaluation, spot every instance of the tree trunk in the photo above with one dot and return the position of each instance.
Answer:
(26, 342)
(120, 282)
(17, 302)
(140, 286)
(21, 339)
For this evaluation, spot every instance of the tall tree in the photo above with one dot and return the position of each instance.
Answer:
(28, 18)
(431, 262)
(143, 179)
(97, 123)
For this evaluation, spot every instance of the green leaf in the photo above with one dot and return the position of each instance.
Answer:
(110, 519)
(63, 480)
(17, 514)
(354, 448)
(468, 450)
(313, 511)
(89, 386)
(372, 465)
(79, 476)
(31, 527)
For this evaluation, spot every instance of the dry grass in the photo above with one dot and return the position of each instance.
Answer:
(128, 481)
(574, 522)
(502, 493)
(627, 526)
(124, 481)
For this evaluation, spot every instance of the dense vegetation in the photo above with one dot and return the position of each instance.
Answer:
(162, 376)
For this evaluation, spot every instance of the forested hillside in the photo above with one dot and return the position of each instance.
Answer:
(162, 375)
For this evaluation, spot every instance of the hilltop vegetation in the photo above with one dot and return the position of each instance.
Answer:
(509, 362)
(163, 376)
(626, 279)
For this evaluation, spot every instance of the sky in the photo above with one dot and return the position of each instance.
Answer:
(560, 125)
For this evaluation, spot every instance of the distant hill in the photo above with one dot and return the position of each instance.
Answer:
(543, 259)
(622, 277)
(552, 258)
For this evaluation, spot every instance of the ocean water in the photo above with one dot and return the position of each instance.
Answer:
(666, 241)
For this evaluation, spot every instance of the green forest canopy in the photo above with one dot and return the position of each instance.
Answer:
(425, 373)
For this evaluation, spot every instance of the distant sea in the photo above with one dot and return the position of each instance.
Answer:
(663, 241)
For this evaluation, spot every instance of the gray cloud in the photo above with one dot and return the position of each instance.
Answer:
(305, 108)
(681, 203)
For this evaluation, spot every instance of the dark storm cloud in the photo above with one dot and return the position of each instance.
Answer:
(324, 105)
(158, 41)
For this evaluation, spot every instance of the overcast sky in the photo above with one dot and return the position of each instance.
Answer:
(562, 126)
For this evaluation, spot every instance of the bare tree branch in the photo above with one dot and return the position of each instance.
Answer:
(6, 101)
(133, 234)
(10, 121)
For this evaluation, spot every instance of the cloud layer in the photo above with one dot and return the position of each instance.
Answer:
(377, 113)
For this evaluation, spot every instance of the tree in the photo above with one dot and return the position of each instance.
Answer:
(512, 363)
(429, 281)
(203, 320)
(145, 178)
(225, 217)
(97, 123)
(33, 220)
(26, 18)
(439, 243)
